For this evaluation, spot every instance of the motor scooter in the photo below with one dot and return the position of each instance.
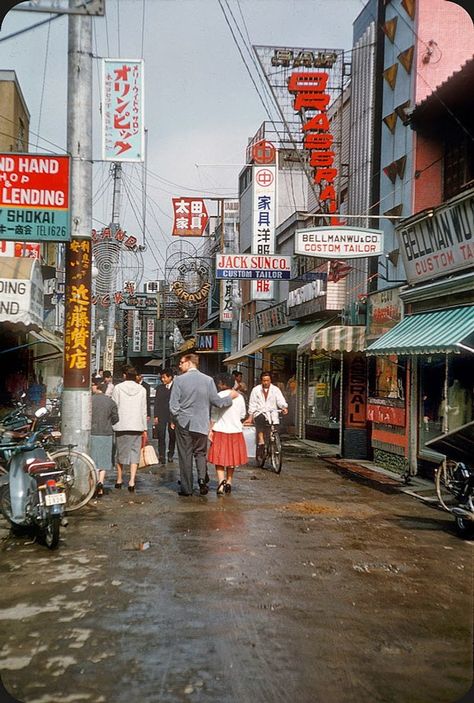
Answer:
(32, 492)
(454, 477)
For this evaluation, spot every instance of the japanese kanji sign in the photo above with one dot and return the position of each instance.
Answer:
(190, 217)
(264, 213)
(225, 305)
(77, 362)
(122, 110)
(34, 198)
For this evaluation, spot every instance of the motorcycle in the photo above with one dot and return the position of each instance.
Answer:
(454, 477)
(32, 494)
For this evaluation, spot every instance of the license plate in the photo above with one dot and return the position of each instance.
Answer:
(55, 498)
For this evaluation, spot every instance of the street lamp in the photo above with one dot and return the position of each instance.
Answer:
(100, 328)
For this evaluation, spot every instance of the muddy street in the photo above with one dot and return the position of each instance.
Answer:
(305, 587)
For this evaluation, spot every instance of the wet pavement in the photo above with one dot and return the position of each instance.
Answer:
(308, 586)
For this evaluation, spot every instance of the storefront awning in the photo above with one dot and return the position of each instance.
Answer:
(291, 339)
(154, 362)
(45, 345)
(339, 338)
(21, 293)
(427, 333)
(252, 348)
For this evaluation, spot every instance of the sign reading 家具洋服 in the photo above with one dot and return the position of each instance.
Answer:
(34, 198)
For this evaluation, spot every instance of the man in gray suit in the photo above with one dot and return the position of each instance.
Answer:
(192, 395)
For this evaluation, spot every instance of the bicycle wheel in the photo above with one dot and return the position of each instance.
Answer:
(444, 482)
(275, 452)
(80, 476)
(261, 459)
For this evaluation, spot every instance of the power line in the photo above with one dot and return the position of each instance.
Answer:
(31, 27)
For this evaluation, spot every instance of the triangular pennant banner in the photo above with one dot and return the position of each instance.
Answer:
(401, 111)
(390, 28)
(401, 164)
(390, 75)
(409, 6)
(391, 121)
(391, 171)
(406, 58)
(394, 211)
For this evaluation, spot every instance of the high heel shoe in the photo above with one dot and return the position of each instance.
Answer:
(131, 489)
(227, 488)
(99, 491)
(221, 488)
(119, 485)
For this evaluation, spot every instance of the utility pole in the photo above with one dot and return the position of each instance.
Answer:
(76, 409)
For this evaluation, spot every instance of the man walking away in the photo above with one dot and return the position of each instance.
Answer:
(162, 416)
(192, 394)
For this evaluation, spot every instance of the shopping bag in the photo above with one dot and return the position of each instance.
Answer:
(147, 457)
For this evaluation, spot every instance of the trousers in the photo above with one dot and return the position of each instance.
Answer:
(191, 445)
(161, 436)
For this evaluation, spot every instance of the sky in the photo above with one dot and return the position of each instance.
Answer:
(201, 106)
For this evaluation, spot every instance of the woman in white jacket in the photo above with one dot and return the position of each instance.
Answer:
(130, 398)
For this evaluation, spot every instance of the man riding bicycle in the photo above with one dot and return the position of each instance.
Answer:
(264, 403)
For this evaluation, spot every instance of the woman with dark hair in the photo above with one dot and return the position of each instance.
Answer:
(228, 448)
(130, 397)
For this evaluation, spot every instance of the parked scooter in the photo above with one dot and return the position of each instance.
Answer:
(455, 476)
(32, 492)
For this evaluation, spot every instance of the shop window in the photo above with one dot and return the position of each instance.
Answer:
(387, 377)
(458, 166)
(432, 373)
(324, 377)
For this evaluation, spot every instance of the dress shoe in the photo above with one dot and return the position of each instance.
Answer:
(161, 460)
(170, 458)
(184, 494)
(203, 489)
(131, 489)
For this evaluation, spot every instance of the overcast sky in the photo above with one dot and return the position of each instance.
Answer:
(200, 104)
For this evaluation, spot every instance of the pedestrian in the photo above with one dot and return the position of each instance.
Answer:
(228, 448)
(130, 397)
(109, 383)
(192, 394)
(264, 403)
(162, 416)
(104, 416)
(238, 384)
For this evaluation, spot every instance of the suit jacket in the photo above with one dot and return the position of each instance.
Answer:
(162, 403)
(192, 394)
(146, 386)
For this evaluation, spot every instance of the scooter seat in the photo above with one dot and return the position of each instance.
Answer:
(37, 466)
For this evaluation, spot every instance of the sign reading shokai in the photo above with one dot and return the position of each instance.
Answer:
(34, 198)
(250, 266)
(190, 217)
(339, 242)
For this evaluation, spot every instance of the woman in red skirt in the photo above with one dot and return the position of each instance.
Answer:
(228, 448)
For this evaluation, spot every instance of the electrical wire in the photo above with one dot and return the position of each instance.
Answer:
(31, 27)
(43, 83)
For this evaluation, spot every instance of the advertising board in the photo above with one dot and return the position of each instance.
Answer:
(250, 266)
(339, 242)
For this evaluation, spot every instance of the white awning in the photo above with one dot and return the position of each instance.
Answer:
(252, 348)
(21, 293)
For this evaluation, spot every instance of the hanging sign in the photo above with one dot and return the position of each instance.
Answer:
(339, 242)
(123, 130)
(34, 198)
(77, 314)
(190, 217)
(272, 267)
(225, 305)
(264, 216)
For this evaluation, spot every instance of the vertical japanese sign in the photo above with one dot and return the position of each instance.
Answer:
(77, 357)
(137, 332)
(225, 306)
(264, 221)
(123, 130)
(150, 334)
(190, 217)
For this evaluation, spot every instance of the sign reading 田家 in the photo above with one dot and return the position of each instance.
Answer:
(190, 217)
(34, 198)
(249, 266)
(122, 110)
(339, 242)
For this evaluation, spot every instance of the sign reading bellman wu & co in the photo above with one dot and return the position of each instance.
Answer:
(34, 198)
(339, 242)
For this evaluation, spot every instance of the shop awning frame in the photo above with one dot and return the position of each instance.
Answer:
(434, 332)
(255, 346)
(292, 338)
(337, 338)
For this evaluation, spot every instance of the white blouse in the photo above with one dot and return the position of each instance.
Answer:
(229, 420)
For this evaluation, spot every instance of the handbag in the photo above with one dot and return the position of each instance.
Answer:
(147, 457)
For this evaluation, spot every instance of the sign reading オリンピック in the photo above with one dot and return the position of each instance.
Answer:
(339, 242)
(34, 198)
(249, 266)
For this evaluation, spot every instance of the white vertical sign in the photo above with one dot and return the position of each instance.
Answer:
(137, 332)
(264, 222)
(150, 334)
(225, 306)
(123, 132)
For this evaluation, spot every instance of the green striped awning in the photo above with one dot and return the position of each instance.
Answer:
(291, 339)
(427, 333)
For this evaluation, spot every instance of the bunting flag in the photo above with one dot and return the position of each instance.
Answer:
(391, 121)
(401, 111)
(390, 75)
(338, 270)
(409, 6)
(394, 211)
(390, 28)
(401, 164)
(406, 58)
(391, 171)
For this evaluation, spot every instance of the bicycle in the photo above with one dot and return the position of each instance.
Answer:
(80, 475)
(272, 448)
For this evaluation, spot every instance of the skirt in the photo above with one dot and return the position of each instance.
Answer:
(228, 449)
(101, 451)
(128, 447)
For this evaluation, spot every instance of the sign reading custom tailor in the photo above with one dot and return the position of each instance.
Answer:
(250, 266)
(339, 242)
(34, 198)
(439, 244)
(123, 132)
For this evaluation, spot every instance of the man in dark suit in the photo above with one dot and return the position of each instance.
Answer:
(162, 416)
(192, 395)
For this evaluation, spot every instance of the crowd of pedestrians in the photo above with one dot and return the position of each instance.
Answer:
(202, 418)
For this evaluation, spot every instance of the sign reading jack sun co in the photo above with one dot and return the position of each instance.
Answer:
(339, 242)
